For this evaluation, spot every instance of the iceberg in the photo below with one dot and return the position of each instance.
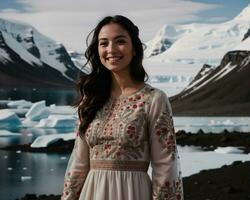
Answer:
(8, 119)
(19, 104)
(24, 178)
(62, 110)
(58, 121)
(38, 111)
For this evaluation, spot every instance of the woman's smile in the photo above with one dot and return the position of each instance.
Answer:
(114, 58)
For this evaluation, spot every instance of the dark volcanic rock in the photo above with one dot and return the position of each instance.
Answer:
(210, 141)
(40, 197)
(246, 35)
(226, 183)
(206, 69)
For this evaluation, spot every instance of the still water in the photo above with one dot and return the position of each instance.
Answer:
(42, 173)
(38, 173)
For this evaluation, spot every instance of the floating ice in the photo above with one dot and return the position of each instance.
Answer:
(4, 133)
(24, 178)
(62, 110)
(45, 140)
(8, 119)
(228, 150)
(58, 121)
(28, 123)
(19, 104)
(38, 111)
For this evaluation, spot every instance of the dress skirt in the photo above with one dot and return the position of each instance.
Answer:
(102, 184)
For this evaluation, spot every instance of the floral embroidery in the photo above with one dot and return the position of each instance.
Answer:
(164, 130)
(118, 130)
(72, 187)
(169, 191)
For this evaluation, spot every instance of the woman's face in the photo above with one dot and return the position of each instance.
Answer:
(115, 47)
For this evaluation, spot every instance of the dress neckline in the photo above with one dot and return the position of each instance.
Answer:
(129, 95)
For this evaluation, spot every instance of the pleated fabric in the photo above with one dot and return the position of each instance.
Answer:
(114, 185)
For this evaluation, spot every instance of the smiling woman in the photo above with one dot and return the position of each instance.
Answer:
(125, 124)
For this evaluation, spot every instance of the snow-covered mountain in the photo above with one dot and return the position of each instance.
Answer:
(180, 51)
(79, 60)
(204, 43)
(221, 90)
(28, 57)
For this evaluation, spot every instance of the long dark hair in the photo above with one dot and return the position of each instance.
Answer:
(94, 89)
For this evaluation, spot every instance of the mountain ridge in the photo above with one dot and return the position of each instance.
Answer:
(221, 91)
(30, 59)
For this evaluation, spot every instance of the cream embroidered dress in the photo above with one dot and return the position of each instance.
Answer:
(112, 160)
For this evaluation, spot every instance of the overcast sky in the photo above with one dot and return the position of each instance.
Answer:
(70, 21)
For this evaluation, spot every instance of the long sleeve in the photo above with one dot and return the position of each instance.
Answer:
(77, 170)
(166, 174)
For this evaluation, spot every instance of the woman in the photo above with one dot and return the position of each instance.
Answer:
(124, 125)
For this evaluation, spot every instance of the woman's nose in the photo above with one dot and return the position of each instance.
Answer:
(111, 47)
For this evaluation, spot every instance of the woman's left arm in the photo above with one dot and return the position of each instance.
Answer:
(77, 170)
(166, 174)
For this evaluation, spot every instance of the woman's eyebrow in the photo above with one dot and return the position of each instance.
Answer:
(116, 37)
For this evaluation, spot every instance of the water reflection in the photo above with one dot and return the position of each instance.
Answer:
(45, 172)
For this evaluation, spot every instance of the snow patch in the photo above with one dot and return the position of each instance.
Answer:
(20, 50)
(4, 56)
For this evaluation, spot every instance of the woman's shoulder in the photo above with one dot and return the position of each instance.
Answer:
(154, 92)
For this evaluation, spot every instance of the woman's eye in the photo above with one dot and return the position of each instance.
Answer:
(103, 43)
(121, 41)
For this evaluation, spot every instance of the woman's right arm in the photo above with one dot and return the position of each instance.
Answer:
(77, 170)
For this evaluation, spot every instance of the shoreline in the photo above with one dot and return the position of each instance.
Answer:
(207, 141)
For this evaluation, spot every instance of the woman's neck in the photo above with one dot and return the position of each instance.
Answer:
(123, 85)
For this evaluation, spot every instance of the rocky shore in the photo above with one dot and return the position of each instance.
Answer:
(210, 141)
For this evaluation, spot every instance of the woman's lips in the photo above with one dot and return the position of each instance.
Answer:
(113, 59)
